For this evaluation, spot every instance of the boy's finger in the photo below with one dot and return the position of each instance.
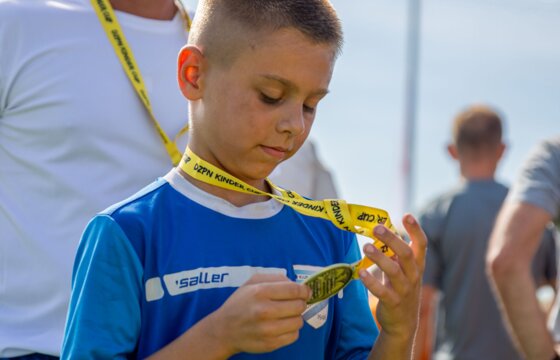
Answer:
(419, 241)
(281, 325)
(389, 238)
(265, 278)
(376, 287)
(280, 309)
(283, 290)
(275, 310)
(401, 249)
(390, 267)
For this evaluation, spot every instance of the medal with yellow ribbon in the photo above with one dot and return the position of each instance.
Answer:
(358, 219)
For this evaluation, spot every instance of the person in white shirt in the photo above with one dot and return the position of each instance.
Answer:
(68, 118)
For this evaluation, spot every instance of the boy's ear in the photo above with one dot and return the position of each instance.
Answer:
(189, 66)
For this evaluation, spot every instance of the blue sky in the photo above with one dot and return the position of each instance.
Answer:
(505, 53)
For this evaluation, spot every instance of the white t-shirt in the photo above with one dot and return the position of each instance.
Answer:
(74, 139)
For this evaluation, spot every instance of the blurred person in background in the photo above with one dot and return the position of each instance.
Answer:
(74, 138)
(532, 204)
(458, 224)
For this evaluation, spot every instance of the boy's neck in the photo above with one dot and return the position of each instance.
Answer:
(234, 197)
(151, 9)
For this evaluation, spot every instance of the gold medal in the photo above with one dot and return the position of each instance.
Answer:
(329, 281)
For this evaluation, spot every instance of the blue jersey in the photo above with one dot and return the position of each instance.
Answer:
(151, 267)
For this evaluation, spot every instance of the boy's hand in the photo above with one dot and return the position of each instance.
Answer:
(399, 290)
(262, 315)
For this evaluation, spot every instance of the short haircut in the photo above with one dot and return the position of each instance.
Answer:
(217, 23)
(477, 128)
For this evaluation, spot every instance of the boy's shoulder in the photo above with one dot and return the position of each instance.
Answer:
(135, 202)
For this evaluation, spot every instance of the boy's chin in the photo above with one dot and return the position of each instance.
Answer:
(256, 175)
(265, 174)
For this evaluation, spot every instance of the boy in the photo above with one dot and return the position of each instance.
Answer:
(185, 269)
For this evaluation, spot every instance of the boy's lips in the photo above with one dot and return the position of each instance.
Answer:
(275, 151)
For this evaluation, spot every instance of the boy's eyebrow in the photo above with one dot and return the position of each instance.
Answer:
(287, 83)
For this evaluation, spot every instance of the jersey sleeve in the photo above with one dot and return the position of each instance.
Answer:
(359, 331)
(539, 181)
(104, 315)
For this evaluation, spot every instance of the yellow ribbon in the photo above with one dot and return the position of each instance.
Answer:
(358, 219)
(112, 28)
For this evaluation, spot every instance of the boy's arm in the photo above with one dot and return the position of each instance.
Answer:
(512, 246)
(261, 316)
(104, 314)
(399, 292)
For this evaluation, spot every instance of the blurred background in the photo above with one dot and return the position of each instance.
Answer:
(505, 53)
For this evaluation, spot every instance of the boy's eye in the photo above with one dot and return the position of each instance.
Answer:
(269, 100)
(308, 109)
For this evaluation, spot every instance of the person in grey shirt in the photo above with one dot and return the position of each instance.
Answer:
(533, 203)
(458, 224)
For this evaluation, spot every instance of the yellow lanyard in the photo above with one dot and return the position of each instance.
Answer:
(116, 36)
(358, 219)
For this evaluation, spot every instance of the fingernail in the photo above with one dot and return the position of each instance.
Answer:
(379, 230)
(369, 249)
(363, 273)
(410, 220)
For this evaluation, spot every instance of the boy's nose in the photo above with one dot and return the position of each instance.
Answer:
(293, 122)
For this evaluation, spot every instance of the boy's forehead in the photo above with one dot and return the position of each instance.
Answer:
(287, 83)
(286, 35)
(291, 42)
(292, 68)
(286, 56)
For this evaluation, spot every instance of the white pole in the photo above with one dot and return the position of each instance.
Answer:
(410, 103)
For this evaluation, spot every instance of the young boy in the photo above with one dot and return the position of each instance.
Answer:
(185, 269)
